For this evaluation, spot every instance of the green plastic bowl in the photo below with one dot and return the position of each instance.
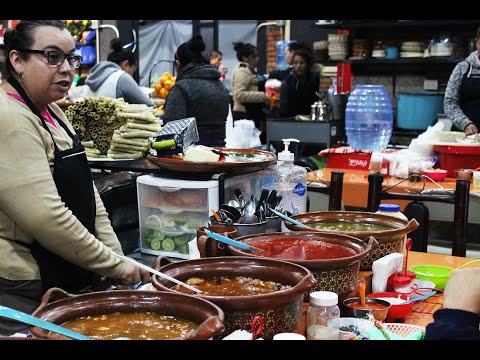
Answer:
(435, 273)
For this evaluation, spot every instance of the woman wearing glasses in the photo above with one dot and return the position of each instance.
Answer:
(54, 230)
(114, 78)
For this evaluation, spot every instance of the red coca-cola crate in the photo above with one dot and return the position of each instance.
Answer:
(453, 157)
(353, 161)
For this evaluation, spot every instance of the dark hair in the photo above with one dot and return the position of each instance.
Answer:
(294, 46)
(22, 37)
(119, 54)
(244, 50)
(191, 51)
(306, 54)
(215, 53)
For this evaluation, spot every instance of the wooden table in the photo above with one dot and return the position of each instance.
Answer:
(355, 193)
(422, 310)
(355, 185)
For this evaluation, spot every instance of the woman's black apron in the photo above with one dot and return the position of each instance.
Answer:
(73, 179)
(470, 96)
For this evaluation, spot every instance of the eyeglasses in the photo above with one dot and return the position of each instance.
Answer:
(57, 58)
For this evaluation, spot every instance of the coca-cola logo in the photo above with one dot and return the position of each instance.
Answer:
(357, 163)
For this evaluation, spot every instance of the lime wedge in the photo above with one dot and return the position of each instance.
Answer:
(168, 244)
(159, 235)
(183, 249)
(155, 244)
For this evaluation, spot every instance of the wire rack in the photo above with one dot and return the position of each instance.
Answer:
(403, 329)
(422, 312)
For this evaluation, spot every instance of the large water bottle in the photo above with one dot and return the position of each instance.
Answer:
(280, 47)
(369, 118)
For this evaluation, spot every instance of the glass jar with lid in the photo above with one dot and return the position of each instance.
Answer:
(323, 308)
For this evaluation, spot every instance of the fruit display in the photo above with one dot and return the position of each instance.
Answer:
(164, 84)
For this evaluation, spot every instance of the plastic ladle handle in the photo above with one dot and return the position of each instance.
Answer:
(32, 320)
(466, 264)
(285, 217)
(423, 297)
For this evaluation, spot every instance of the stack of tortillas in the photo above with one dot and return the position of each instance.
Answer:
(130, 141)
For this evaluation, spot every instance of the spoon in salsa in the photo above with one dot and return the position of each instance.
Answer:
(361, 293)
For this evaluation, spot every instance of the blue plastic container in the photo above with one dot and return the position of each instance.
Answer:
(418, 111)
(280, 47)
(369, 118)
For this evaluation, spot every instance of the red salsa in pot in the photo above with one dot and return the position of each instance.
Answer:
(301, 249)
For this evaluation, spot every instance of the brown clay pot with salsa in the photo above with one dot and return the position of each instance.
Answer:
(334, 259)
(281, 310)
(389, 231)
(207, 318)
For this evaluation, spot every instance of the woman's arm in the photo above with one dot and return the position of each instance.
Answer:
(29, 197)
(175, 104)
(131, 92)
(452, 98)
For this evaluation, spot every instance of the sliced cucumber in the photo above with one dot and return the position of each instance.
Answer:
(168, 244)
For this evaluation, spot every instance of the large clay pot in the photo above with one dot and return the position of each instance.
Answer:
(281, 310)
(69, 307)
(339, 275)
(389, 241)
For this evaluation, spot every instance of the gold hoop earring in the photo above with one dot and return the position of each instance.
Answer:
(21, 78)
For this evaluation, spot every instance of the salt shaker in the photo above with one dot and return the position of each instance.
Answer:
(323, 308)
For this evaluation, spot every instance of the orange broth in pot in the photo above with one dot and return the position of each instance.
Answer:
(301, 249)
(134, 326)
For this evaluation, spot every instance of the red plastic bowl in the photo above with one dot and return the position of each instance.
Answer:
(437, 175)
(396, 311)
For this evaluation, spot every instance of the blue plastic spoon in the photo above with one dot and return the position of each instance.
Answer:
(423, 297)
(32, 320)
(285, 217)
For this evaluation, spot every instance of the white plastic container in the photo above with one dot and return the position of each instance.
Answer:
(291, 181)
(391, 210)
(476, 181)
(289, 336)
(323, 308)
(394, 211)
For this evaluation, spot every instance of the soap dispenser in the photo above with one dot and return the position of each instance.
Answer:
(291, 181)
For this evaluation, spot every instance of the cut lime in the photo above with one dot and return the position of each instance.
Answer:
(183, 249)
(153, 221)
(179, 240)
(158, 235)
(155, 244)
(168, 244)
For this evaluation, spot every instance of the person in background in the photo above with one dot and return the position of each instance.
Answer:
(462, 95)
(198, 92)
(248, 100)
(216, 61)
(54, 229)
(299, 89)
(114, 78)
(459, 319)
(289, 51)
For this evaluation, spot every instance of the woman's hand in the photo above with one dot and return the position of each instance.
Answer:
(462, 291)
(471, 129)
(134, 275)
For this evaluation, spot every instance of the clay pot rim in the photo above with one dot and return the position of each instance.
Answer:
(326, 236)
(72, 305)
(323, 216)
(290, 293)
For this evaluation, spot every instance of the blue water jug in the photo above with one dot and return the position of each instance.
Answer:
(369, 118)
(280, 47)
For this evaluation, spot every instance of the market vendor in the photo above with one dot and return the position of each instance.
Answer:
(299, 89)
(54, 229)
(462, 95)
